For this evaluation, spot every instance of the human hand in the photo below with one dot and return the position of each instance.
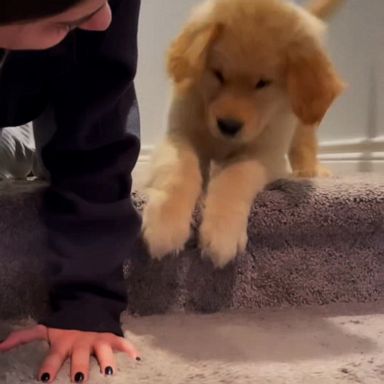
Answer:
(78, 346)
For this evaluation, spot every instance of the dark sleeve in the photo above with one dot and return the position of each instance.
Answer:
(90, 219)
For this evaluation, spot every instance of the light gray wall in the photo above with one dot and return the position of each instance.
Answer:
(356, 40)
(160, 22)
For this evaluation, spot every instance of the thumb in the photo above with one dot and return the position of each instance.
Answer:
(24, 336)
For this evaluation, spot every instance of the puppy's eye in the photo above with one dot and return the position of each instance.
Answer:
(263, 83)
(219, 76)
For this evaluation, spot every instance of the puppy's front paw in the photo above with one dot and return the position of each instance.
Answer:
(323, 171)
(318, 171)
(166, 227)
(223, 237)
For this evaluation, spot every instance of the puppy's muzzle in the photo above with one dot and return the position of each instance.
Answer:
(229, 127)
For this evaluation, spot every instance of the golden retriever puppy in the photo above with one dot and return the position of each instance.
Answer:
(244, 73)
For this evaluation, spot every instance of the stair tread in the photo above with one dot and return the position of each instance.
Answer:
(310, 243)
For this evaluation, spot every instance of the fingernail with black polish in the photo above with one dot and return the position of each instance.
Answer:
(45, 377)
(109, 371)
(138, 358)
(79, 377)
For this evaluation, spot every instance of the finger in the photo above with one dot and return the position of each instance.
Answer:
(105, 357)
(80, 364)
(52, 365)
(24, 336)
(122, 345)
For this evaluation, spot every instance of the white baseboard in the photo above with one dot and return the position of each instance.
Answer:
(342, 157)
(353, 156)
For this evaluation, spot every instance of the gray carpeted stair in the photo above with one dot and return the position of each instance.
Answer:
(310, 243)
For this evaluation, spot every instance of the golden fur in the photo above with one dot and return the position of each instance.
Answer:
(244, 74)
(304, 148)
(323, 8)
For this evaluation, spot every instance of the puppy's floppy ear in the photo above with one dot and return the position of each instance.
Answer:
(312, 81)
(187, 55)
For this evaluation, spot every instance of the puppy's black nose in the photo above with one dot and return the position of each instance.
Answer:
(229, 127)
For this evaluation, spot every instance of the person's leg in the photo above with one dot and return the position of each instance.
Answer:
(17, 148)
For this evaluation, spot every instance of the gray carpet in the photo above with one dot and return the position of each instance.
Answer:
(310, 243)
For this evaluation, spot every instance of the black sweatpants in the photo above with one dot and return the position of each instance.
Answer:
(84, 89)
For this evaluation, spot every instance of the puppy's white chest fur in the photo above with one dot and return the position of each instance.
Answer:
(270, 149)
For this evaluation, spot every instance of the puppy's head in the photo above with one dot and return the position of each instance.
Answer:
(253, 60)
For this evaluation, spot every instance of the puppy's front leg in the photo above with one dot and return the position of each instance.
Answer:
(230, 195)
(173, 188)
(303, 153)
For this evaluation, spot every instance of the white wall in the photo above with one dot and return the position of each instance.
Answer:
(160, 22)
(352, 134)
(353, 131)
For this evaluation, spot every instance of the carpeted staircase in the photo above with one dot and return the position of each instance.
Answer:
(311, 242)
